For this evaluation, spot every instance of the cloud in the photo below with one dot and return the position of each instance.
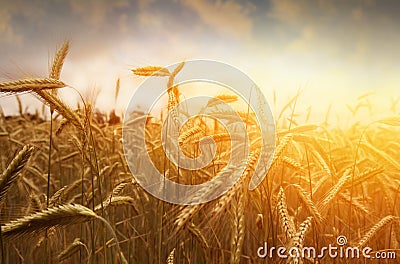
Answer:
(226, 17)
(356, 32)
(7, 33)
(96, 12)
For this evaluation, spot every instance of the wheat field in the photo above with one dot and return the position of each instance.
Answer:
(67, 194)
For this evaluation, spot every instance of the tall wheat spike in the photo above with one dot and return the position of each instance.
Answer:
(198, 235)
(286, 221)
(114, 201)
(391, 121)
(298, 240)
(284, 141)
(238, 228)
(171, 257)
(72, 249)
(305, 199)
(61, 215)
(381, 154)
(30, 85)
(13, 170)
(323, 204)
(173, 91)
(151, 71)
(57, 104)
(375, 229)
(56, 197)
(59, 61)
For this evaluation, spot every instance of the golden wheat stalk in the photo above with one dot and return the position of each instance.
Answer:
(20, 110)
(396, 230)
(173, 91)
(375, 229)
(323, 204)
(151, 71)
(391, 121)
(56, 103)
(198, 235)
(117, 89)
(223, 98)
(194, 132)
(73, 248)
(286, 220)
(283, 142)
(59, 61)
(298, 240)
(186, 214)
(305, 199)
(61, 215)
(172, 76)
(71, 187)
(238, 229)
(172, 102)
(55, 199)
(354, 203)
(115, 201)
(298, 129)
(64, 122)
(303, 229)
(117, 190)
(30, 85)
(381, 154)
(364, 176)
(260, 221)
(322, 162)
(34, 202)
(291, 163)
(171, 257)
(13, 170)
(225, 199)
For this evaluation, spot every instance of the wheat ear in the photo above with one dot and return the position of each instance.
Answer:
(151, 70)
(287, 222)
(30, 85)
(115, 201)
(305, 199)
(198, 234)
(13, 170)
(298, 240)
(375, 229)
(238, 228)
(381, 154)
(280, 148)
(333, 192)
(56, 103)
(173, 91)
(55, 216)
(55, 199)
(186, 214)
(303, 229)
(119, 188)
(391, 121)
(59, 61)
(171, 257)
(72, 249)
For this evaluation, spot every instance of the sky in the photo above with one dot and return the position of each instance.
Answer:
(333, 51)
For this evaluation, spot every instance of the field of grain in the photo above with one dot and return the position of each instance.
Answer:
(67, 194)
